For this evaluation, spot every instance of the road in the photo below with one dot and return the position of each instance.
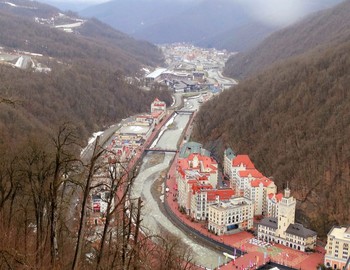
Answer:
(216, 77)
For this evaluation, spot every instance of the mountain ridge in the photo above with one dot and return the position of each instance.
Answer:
(204, 23)
(317, 30)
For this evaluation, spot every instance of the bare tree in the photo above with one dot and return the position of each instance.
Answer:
(82, 224)
(119, 184)
(64, 143)
(173, 254)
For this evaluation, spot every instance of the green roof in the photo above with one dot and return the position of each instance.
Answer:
(229, 153)
(192, 148)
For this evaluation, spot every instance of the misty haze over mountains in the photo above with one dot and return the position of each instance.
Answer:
(225, 24)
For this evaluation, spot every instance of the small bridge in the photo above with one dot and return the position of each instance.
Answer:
(184, 112)
(160, 150)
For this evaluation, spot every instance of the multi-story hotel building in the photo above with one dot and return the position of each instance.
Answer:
(229, 155)
(272, 204)
(230, 216)
(241, 163)
(257, 191)
(337, 248)
(196, 169)
(205, 195)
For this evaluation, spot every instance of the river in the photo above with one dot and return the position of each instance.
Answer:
(153, 218)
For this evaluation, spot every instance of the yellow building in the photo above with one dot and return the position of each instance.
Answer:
(337, 248)
(230, 216)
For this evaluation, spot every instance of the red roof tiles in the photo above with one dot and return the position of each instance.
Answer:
(265, 181)
(250, 172)
(278, 196)
(224, 194)
(243, 159)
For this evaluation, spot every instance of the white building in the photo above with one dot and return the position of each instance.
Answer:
(239, 163)
(337, 248)
(158, 105)
(243, 179)
(257, 190)
(229, 155)
(204, 195)
(155, 75)
(228, 217)
(272, 204)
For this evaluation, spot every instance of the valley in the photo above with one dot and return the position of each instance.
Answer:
(225, 144)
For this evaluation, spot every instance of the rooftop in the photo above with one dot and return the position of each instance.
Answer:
(299, 230)
(266, 182)
(192, 147)
(232, 203)
(229, 153)
(243, 160)
(134, 129)
(250, 172)
(278, 197)
(270, 222)
(224, 194)
(156, 73)
(340, 232)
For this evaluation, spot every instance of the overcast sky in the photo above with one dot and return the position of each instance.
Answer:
(273, 12)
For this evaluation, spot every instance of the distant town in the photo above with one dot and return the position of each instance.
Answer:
(191, 69)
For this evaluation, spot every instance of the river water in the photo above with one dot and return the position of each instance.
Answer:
(153, 219)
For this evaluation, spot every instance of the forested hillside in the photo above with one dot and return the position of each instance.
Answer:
(321, 29)
(45, 120)
(89, 98)
(294, 122)
(92, 40)
(86, 85)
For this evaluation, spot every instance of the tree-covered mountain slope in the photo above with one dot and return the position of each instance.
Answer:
(85, 80)
(294, 122)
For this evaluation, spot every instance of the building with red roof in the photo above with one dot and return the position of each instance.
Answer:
(195, 173)
(158, 105)
(257, 191)
(233, 165)
(158, 110)
(243, 178)
(247, 181)
(272, 204)
(204, 195)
